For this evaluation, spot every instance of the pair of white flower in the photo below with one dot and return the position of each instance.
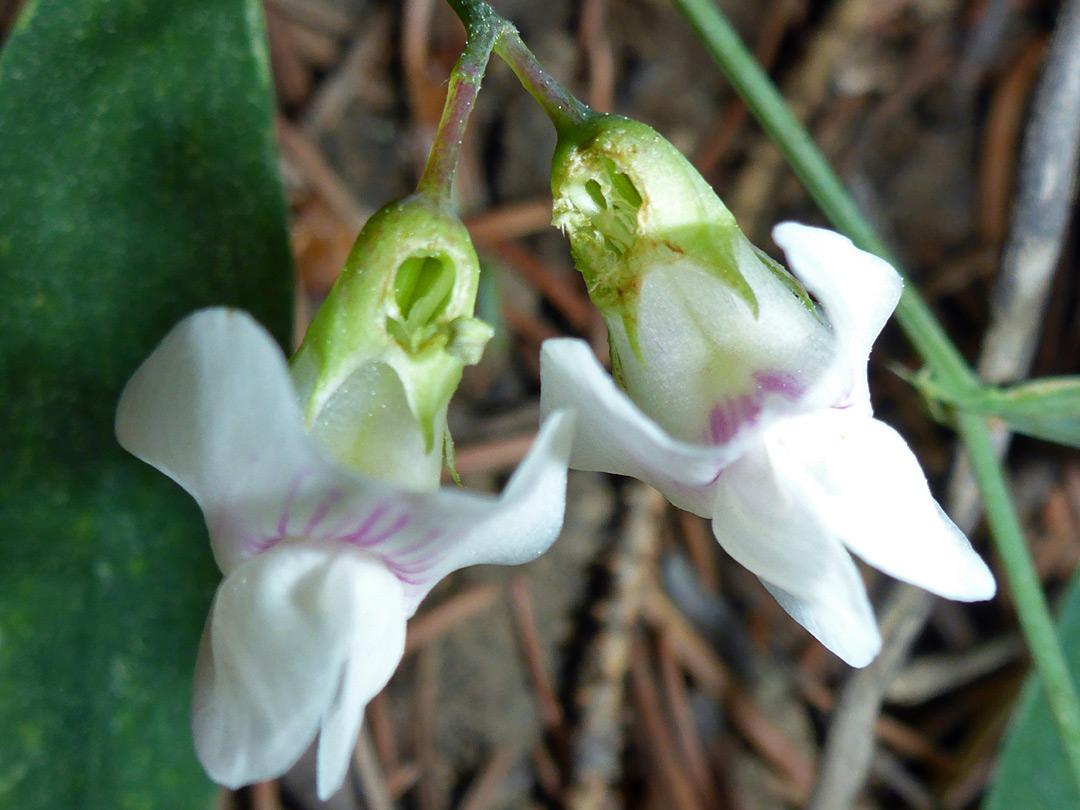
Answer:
(740, 400)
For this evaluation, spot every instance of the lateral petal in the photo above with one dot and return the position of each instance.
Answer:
(214, 408)
(857, 290)
(299, 639)
(455, 529)
(613, 435)
(766, 521)
(868, 485)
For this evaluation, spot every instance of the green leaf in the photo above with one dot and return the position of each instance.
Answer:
(1047, 408)
(1032, 773)
(137, 182)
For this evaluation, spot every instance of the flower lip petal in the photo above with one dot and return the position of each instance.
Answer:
(849, 634)
(868, 485)
(857, 290)
(214, 408)
(458, 529)
(613, 435)
(280, 660)
(765, 520)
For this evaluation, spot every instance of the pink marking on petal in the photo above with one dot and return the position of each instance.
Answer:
(257, 545)
(374, 517)
(322, 510)
(286, 507)
(400, 523)
(729, 417)
(418, 545)
(779, 382)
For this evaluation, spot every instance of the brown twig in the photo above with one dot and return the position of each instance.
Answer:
(686, 735)
(701, 549)
(315, 14)
(510, 222)
(598, 739)
(703, 665)
(429, 793)
(574, 306)
(779, 17)
(402, 779)
(352, 78)
(902, 739)
(292, 79)
(600, 60)
(380, 722)
(318, 172)
(372, 781)
(484, 792)
(266, 796)
(806, 91)
(660, 744)
(497, 454)
(1000, 142)
(532, 647)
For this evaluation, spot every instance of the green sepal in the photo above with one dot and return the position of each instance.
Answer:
(629, 202)
(448, 458)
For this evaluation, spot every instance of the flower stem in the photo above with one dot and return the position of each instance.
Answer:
(565, 111)
(465, 79)
(933, 345)
(1031, 607)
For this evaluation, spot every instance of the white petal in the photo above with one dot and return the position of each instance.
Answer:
(869, 487)
(857, 290)
(459, 529)
(765, 521)
(214, 409)
(299, 639)
(709, 366)
(613, 435)
(848, 634)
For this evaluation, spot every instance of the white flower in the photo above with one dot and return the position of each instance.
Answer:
(322, 566)
(762, 422)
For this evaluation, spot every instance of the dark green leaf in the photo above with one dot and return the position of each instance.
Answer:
(137, 183)
(1032, 773)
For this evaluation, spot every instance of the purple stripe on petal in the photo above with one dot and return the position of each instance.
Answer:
(399, 523)
(257, 545)
(286, 507)
(322, 510)
(357, 536)
(424, 542)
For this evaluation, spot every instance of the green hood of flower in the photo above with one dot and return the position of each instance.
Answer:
(629, 202)
(394, 334)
